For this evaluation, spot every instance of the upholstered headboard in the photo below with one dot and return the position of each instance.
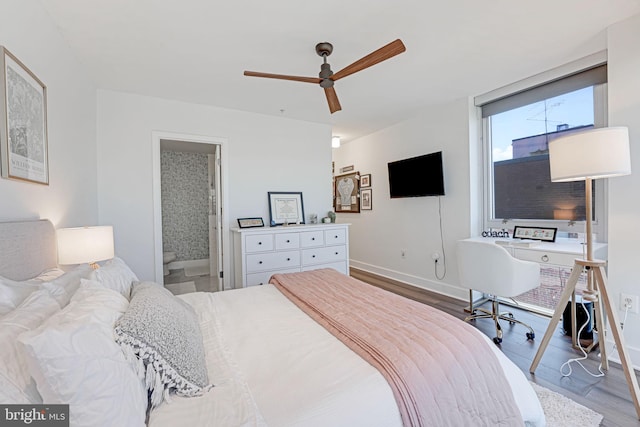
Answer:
(27, 248)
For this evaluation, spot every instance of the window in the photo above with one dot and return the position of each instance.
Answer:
(517, 129)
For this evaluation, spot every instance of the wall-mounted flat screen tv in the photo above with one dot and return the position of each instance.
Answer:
(417, 176)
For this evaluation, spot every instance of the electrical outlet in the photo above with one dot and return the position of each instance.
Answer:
(630, 302)
(435, 256)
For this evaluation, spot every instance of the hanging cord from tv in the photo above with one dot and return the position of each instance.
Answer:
(444, 257)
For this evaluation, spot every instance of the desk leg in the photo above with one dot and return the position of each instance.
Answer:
(574, 321)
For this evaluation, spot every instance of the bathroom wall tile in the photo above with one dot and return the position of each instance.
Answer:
(185, 204)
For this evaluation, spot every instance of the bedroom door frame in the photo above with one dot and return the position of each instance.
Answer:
(156, 137)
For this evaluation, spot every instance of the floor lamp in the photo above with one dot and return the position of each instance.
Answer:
(589, 155)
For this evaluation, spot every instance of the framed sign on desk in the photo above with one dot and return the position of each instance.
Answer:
(545, 234)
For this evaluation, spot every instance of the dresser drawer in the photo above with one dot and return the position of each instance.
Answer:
(340, 266)
(542, 257)
(287, 241)
(310, 239)
(262, 278)
(259, 243)
(335, 237)
(272, 261)
(324, 255)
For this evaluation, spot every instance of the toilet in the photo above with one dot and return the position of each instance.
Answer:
(167, 257)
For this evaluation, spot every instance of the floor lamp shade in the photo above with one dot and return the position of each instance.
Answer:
(85, 244)
(596, 153)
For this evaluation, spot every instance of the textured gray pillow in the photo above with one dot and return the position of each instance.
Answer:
(163, 333)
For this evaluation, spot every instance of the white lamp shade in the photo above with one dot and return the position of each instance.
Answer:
(596, 153)
(85, 244)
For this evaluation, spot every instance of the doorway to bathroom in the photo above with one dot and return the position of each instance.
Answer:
(189, 220)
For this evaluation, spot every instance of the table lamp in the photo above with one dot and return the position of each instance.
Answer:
(585, 156)
(81, 245)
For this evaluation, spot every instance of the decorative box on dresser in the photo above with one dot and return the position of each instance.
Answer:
(261, 252)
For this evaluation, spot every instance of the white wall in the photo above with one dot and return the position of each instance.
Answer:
(70, 199)
(378, 236)
(624, 195)
(263, 153)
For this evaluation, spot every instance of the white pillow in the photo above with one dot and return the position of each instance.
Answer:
(164, 333)
(75, 360)
(64, 286)
(115, 274)
(12, 293)
(48, 275)
(16, 384)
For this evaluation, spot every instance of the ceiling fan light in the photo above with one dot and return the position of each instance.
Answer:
(335, 142)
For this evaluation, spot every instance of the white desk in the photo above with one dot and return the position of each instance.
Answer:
(560, 253)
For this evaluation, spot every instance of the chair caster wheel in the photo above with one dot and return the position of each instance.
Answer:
(497, 340)
(531, 335)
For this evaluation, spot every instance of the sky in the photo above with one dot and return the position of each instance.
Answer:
(574, 109)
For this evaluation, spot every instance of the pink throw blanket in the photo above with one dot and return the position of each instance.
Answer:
(440, 369)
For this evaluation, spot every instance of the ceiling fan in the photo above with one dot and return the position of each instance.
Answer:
(327, 77)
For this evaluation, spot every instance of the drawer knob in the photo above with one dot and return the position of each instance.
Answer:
(313, 238)
(545, 258)
(313, 256)
(336, 253)
(259, 243)
(259, 262)
(335, 237)
(288, 241)
(288, 259)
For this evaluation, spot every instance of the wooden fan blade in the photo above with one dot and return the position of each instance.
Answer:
(385, 52)
(332, 99)
(283, 77)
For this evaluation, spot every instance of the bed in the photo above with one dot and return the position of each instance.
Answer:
(269, 360)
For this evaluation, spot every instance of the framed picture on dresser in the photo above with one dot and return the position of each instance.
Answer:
(285, 208)
(250, 222)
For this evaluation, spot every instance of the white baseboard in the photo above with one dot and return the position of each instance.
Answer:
(418, 282)
(176, 265)
(612, 355)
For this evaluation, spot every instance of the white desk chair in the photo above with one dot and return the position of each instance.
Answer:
(489, 268)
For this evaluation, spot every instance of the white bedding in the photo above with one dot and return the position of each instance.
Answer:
(273, 365)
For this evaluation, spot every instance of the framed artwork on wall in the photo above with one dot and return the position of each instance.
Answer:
(23, 122)
(365, 199)
(347, 192)
(285, 208)
(347, 169)
(365, 180)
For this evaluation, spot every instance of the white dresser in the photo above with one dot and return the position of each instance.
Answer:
(261, 252)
